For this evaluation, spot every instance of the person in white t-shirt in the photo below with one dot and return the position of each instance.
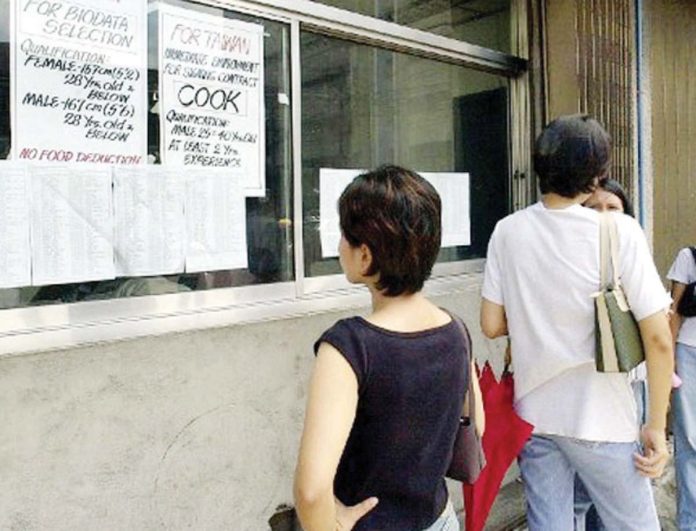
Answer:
(682, 273)
(542, 270)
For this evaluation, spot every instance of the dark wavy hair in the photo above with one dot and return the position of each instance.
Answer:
(396, 213)
(570, 153)
(614, 187)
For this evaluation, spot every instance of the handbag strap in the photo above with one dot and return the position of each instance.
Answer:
(609, 258)
(608, 251)
(467, 363)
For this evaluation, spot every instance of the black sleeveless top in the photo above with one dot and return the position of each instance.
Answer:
(411, 387)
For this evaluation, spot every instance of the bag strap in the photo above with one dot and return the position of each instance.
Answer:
(603, 252)
(609, 257)
(608, 251)
(467, 363)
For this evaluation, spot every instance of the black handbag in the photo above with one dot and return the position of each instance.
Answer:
(687, 304)
(468, 459)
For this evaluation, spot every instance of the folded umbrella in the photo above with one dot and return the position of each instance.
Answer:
(503, 440)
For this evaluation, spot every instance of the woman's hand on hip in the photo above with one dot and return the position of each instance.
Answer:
(347, 517)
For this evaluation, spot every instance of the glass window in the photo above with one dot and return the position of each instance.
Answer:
(269, 232)
(363, 106)
(482, 22)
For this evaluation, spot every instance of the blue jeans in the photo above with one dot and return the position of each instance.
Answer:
(623, 497)
(586, 517)
(447, 521)
(684, 427)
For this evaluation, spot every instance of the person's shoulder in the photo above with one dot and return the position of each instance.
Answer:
(347, 337)
(682, 266)
(625, 219)
(513, 220)
(628, 224)
(343, 327)
(683, 259)
(685, 251)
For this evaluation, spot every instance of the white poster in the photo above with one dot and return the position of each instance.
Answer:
(332, 182)
(211, 94)
(71, 224)
(15, 258)
(454, 195)
(149, 221)
(453, 189)
(79, 81)
(215, 221)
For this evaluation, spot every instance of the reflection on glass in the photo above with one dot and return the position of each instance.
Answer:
(364, 106)
(481, 22)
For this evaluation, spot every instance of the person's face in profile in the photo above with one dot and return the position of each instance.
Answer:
(603, 201)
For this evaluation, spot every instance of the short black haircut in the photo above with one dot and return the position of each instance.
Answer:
(570, 153)
(396, 213)
(614, 187)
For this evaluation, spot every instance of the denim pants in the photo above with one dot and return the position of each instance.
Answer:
(586, 517)
(684, 427)
(447, 521)
(623, 498)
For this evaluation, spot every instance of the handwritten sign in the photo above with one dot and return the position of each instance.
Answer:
(80, 81)
(211, 86)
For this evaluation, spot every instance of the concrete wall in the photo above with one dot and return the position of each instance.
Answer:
(186, 431)
(670, 52)
(590, 51)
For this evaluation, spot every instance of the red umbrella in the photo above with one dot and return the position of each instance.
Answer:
(503, 440)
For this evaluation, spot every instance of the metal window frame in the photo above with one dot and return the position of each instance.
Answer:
(59, 326)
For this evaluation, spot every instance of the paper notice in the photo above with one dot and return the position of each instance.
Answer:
(454, 195)
(453, 189)
(79, 81)
(212, 94)
(71, 224)
(215, 220)
(149, 221)
(15, 259)
(332, 182)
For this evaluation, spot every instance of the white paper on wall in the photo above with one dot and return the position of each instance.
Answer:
(79, 81)
(211, 79)
(15, 258)
(71, 224)
(454, 195)
(332, 182)
(149, 221)
(215, 220)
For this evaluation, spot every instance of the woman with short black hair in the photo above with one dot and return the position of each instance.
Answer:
(387, 390)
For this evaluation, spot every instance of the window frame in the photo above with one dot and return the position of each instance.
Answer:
(31, 329)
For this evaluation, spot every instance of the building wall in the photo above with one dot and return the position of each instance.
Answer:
(671, 52)
(590, 52)
(195, 430)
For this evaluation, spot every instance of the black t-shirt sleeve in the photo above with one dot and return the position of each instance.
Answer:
(345, 338)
